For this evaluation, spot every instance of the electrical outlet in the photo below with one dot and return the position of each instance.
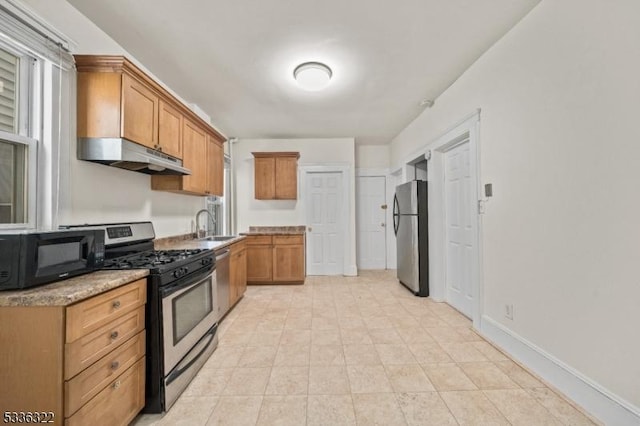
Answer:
(508, 311)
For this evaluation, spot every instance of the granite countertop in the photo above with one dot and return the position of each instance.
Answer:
(72, 290)
(275, 230)
(177, 243)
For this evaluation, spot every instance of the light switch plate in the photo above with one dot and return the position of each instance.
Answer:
(488, 190)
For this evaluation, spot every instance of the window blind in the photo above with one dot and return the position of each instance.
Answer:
(8, 80)
(40, 38)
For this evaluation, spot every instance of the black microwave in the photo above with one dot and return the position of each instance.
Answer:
(32, 258)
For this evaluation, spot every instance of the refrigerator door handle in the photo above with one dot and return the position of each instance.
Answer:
(396, 214)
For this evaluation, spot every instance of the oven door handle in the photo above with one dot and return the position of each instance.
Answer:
(188, 360)
(185, 282)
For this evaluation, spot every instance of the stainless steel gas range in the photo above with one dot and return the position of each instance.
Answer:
(181, 312)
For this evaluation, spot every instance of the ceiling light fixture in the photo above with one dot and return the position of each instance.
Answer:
(312, 76)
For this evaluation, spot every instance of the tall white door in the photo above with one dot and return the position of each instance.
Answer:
(371, 224)
(325, 223)
(460, 228)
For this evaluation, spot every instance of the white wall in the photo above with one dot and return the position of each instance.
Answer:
(560, 142)
(93, 193)
(372, 156)
(313, 152)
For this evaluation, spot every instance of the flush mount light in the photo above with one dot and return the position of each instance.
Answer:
(312, 76)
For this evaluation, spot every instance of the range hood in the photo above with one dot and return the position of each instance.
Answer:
(122, 153)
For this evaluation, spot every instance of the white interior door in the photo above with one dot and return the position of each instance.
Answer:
(325, 227)
(460, 228)
(371, 222)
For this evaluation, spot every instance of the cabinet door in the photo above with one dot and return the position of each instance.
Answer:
(195, 158)
(139, 112)
(170, 130)
(233, 279)
(241, 274)
(286, 172)
(117, 404)
(288, 263)
(259, 263)
(215, 167)
(264, 178)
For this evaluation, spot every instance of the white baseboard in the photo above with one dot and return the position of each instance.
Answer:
(351, 271)
(595, 399)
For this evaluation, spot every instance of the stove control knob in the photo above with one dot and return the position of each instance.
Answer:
(186, 271)
(176, 273)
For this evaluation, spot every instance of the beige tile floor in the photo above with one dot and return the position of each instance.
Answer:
(358, 350)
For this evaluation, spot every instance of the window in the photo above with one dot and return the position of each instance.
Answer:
(220, 207)
(35, 88)
(17, 146)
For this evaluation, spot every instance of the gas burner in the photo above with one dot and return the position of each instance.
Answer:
(153, 259)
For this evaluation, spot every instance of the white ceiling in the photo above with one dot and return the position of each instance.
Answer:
(235, 59)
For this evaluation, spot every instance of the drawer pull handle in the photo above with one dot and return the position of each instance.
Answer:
(116, 304)
(114, 335)
(115, 365)
(116, 384)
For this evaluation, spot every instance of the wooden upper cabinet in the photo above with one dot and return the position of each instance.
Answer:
(139, 112)
(117, 99)
(203, 154)
(287, 178)
(265, 178)
(215, 167)
(276, 175)
(99, 105)
(170, 123)
(195, 158)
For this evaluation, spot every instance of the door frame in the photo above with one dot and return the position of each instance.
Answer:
(469, 128)
(348, 196)
(383, 173)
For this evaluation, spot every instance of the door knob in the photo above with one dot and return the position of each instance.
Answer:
(309, 229)
(382, 224)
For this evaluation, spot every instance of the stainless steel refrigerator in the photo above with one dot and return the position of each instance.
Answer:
(410, 224)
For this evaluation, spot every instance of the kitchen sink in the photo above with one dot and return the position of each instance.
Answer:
(219, 238)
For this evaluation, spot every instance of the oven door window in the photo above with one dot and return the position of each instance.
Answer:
(190, 308)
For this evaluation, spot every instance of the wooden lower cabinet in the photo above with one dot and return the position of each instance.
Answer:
(275, 259)
(116, 404)
(84, 363)
(288, 263)
(259, 263)
(238, 272)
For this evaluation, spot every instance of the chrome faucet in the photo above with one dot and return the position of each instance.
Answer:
(203, 233)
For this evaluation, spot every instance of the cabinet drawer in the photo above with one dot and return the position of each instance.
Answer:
(257, 240)
(90, 348)
(288, 239)
(118, 403)
(91, 314)
(83, 387)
